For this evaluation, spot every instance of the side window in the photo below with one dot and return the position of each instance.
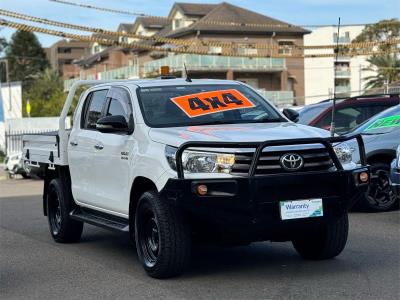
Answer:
(93, 108)
(120, 104)
(346, 118)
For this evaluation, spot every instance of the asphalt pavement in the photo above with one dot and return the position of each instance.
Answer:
(104, 264)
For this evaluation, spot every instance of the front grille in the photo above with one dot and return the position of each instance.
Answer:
(269, 163)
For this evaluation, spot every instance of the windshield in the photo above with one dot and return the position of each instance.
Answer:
(307, 114)
(188, 105)
(387, 121)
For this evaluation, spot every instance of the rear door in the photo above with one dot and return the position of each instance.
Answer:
(81, 148)
(113, 156)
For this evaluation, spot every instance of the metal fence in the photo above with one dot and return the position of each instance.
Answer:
(13, 139)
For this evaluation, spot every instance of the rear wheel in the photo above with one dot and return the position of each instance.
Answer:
(379, 196)
(59, 204)
(326, 242)
(162, 237)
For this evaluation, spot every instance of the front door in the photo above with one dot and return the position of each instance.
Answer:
(113, 156)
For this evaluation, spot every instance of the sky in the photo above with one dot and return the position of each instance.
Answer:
(301, 12)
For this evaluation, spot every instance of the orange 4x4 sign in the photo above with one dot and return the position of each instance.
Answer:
(205, 103)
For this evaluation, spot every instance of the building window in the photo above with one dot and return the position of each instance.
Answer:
(214, 50)
(285, 47)
(246, 49)
(64, 50)
(178, 23)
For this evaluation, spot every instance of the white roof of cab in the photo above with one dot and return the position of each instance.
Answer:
(168, 82)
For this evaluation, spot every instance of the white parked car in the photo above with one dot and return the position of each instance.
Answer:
(171, 160)
(14, 165)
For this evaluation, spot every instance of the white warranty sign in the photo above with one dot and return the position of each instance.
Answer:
(301, 209)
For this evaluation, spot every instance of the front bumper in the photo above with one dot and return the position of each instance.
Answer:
(251, 204)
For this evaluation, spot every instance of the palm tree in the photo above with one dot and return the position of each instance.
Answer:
(387, 69)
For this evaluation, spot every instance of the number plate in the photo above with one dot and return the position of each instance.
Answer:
(298, 209)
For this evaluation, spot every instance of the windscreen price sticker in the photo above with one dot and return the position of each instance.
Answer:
(200, 104)
(392, 121)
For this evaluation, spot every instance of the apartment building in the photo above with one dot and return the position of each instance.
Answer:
(324, 75)
(62, 54)
(279, 78)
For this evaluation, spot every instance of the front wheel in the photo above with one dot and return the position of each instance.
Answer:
(162, 237)
(379, 196)
(326, 242)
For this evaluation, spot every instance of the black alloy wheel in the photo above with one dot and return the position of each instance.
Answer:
(380, 196)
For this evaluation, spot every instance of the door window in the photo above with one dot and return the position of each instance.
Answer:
(120, 104)
(94, 107)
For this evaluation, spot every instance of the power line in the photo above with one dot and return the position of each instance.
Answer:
(142, 46)
(194, 42)
(71, 3)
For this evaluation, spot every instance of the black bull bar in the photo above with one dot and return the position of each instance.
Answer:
(260, 146)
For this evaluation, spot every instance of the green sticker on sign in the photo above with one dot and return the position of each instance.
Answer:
(393, 121)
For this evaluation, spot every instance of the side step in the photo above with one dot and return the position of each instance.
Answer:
(100, 219)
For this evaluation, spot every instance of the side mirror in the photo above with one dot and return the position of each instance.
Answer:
(291, 114)
(110, 124)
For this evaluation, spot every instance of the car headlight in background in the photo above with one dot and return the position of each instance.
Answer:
(398, 157)
(201, 162)
(345, 154)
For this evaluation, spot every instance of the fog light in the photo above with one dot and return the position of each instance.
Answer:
(202, 189)
(363, 176)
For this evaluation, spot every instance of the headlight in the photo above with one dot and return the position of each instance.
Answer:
(201, 162)
(398, 157)
(344, 153)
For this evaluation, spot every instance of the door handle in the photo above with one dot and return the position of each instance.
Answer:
(99, 146)
(73, 143)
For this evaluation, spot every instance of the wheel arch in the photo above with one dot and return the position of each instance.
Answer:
(49, 175)
(381, 156)
(140, 185)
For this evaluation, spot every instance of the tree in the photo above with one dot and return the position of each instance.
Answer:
(3, 45)
(26, 57)
(386, 66)
(387, 70)
(46, 95)
(381, 31)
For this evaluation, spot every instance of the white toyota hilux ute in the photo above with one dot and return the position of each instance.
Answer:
(173, 160)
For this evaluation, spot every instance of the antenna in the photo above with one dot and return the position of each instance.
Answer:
(334, 84)
(188, 79)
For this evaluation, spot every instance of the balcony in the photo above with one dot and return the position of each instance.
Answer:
(127, 72)
(214, 62)
(342, 73)
(280, 98)
(343, 90)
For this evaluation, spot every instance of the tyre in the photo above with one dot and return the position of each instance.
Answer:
(327, 242)
(162, 237)
(379, 196)
(25, 176)
(59, 204)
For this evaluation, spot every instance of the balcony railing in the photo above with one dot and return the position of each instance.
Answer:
(342, 73)
(279, 98)
(119, 73)
(343, 89)
(214, 62)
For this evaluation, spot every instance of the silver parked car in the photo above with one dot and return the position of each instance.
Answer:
(381, 136)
